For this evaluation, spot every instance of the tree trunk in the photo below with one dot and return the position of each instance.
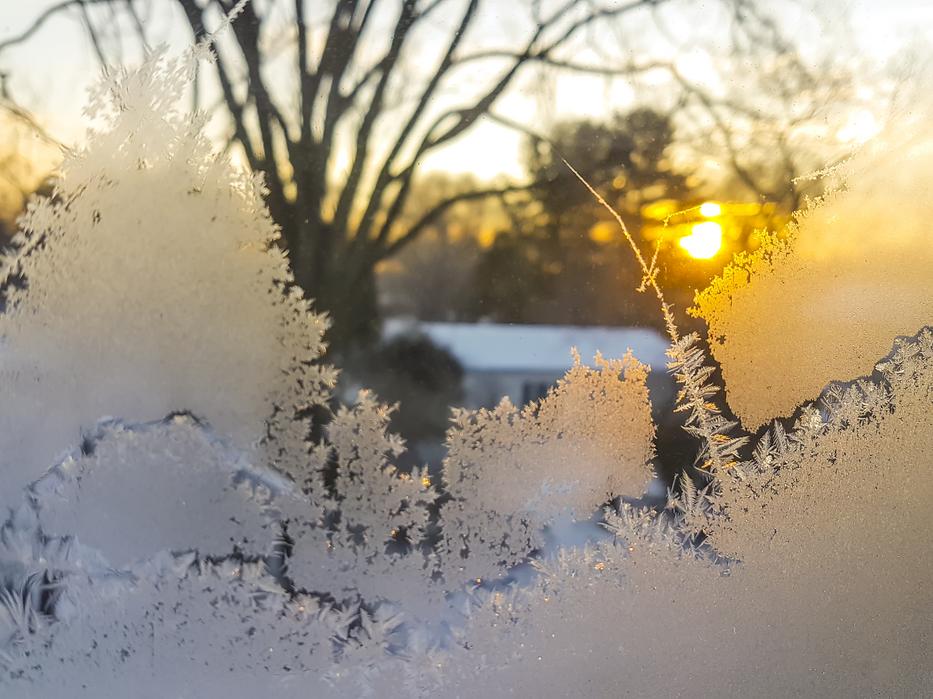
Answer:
(343, 288)
(351, 303)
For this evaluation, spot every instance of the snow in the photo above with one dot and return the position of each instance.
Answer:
(533, 348)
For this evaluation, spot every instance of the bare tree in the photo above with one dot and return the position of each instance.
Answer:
(340, 151)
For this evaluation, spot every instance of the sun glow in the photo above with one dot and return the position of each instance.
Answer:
(704, 241)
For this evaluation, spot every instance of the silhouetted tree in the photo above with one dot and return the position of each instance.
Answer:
(340, 115)
(625, 158)
(338, 230)
(563, 261)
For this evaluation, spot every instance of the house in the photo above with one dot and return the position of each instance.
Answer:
(523, 361)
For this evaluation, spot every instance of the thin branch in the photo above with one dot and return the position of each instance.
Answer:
(349, 191)
(438, 209)
(351, 94)
(247, 32)
(596, 14)
(42, 19)
(429, 141)
(304, 77)
(402, 27)
(523, 129)
(137, 23)
(115, 33)
(568, 65)
(430, 8)
(348, 98)
(343, 57)
(468, 116)
(743, 173)
(335, 33)
(196, 22)
(29, 120)
(92, 34)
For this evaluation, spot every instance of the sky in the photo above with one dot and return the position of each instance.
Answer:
(50, 73)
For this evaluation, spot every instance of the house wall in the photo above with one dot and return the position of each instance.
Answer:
(484, 389)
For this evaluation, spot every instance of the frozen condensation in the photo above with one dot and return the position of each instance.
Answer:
(146, 284)
(131, 492)
(199, 543)
(513, 471)
(368, 537)
(823, 304)
(810, 578)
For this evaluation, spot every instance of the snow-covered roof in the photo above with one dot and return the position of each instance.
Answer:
(544, 348)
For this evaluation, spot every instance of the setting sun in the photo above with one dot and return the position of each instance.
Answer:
(704, 241)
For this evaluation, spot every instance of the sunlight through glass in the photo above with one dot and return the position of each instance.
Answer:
(705, 240)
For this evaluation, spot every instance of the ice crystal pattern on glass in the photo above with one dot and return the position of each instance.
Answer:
(173, 530)
(854, 275)
(130, 310)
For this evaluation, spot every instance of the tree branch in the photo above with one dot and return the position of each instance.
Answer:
(744, 174)
(343, 10)
(402, 27)
(42, 19)
(385, 174)
(438, 209)
(92, 34)
(246, 30)
(467, 117)
(29, 120)
(337, 103)
(196, 22)
(304, 77)
(624, 70)
(137, 23)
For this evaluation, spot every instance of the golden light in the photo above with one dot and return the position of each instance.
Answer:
(704, 241)
(710, 209)
(486, 237)
(860, 127)
(603, 232)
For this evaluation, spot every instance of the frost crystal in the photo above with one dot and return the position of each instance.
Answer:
(807, 578)
(146, 285)
(513, 471)
(200, 544)
(135, 491)
(369, 535)
(826, 302)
